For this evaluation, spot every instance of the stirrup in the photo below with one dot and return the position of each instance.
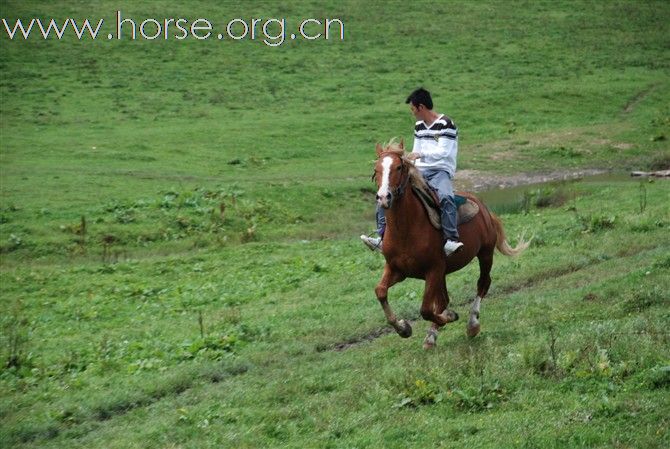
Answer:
(451, 247)
(373, 243)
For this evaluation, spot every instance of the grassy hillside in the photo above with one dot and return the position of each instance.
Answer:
(235, 347)
(109, 129)
(179, 221)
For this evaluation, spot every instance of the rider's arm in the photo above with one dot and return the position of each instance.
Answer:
(445, 146)
(416, 149)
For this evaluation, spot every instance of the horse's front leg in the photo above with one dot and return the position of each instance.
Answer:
(390, 278)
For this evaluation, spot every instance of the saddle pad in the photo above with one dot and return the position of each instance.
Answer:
(467, 211)
(467, 208)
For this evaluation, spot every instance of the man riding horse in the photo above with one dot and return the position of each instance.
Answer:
(434, 152)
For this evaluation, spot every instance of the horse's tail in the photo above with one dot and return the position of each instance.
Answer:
(501, 241)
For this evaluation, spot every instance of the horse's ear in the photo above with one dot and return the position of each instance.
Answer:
(402, 144)
(379, 149)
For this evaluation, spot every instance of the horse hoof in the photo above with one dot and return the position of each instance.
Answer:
(450, 316)
(405, 330)
(429, 341)
(473, 331)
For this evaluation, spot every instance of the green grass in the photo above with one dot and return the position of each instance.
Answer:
(533, 87)
(178, 231)
(113, 355)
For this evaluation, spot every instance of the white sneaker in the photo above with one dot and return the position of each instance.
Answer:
(451, 247)
(374, 243)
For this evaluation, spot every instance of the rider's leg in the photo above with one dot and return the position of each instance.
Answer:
(440, 181)
(375, 243)
(381, 221)
(448, 216)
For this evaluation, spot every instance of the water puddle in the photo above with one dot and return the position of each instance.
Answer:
(509, 198)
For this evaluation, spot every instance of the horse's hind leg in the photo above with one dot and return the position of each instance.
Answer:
(485, 263)
(390, 278)
(436, 294)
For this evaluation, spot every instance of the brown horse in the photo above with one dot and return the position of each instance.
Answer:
(412, 247)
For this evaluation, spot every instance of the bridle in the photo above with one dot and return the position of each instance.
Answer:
(399, 190)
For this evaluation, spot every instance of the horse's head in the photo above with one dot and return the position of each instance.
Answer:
(391, 173)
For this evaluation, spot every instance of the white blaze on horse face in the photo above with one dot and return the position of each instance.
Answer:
(383, 191)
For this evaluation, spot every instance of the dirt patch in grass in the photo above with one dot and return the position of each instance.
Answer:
(475, 180)
(356, 341)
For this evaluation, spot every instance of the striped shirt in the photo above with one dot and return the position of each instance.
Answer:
(436, 145)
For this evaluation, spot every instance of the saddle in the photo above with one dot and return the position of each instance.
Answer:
(466, 208)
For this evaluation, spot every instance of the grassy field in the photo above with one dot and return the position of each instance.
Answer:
(179, 219)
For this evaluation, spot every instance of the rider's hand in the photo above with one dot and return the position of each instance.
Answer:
(412, 156)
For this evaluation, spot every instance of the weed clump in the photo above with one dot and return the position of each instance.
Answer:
(593, 223)
(16, 358)
(420, 392)
(543, 197)
(565, 152)
(661, 162)
(481, 397)
(469, 398)
(543, 358)
(657, 377)
(643, 299)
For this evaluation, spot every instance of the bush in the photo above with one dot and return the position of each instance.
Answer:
(483, 397)
(595, 223)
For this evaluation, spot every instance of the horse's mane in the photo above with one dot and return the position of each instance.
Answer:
(415, 175)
